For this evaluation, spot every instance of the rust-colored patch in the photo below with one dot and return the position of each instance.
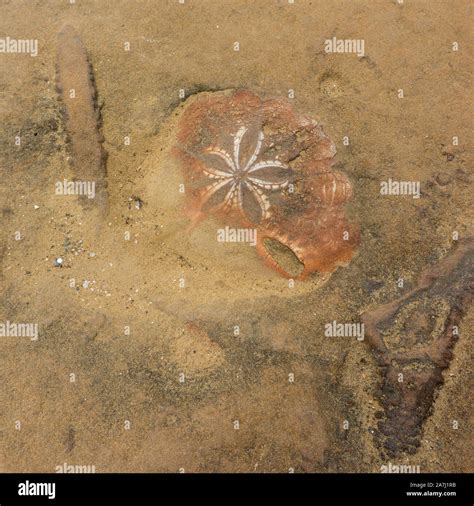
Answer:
(257, 163)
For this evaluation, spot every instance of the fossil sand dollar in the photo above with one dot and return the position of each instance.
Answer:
(230, 161)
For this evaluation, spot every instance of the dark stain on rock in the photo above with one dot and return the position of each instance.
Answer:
(413, 339)
(70, 439)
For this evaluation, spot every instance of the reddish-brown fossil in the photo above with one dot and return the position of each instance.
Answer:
(413, 338)
(256, 163)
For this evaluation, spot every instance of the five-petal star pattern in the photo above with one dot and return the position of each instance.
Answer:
(239, 178)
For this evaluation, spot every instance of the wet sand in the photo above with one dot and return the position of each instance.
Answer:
(232, 372)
